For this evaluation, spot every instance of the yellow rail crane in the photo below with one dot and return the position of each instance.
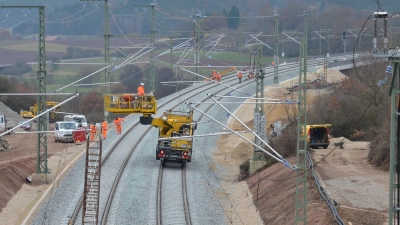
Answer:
(175, 128)
(32, 112)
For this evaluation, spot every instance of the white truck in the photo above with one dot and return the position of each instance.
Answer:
(79, 120)
(5, 124)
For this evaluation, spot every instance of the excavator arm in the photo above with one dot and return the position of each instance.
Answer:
(34, 109)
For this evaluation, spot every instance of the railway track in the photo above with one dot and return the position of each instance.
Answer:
(172, 208)
(115, 150)
(119, 152)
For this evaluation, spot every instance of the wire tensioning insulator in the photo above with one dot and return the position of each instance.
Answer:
(385, 27)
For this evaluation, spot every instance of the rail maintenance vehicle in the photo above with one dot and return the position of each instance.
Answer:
(175, 128)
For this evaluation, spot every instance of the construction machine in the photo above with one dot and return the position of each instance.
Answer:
(34, 109)
(175, 138)
(175, 128)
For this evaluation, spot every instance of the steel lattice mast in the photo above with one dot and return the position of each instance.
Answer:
(258, 160)
(301, 173)
(276, 56)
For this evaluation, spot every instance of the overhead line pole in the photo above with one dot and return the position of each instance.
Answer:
(276, 56)
(258, 159)
(240, 45)
(301, 156)
(197, 44)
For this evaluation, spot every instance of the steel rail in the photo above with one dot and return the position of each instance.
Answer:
(159, 193)
(104, 160)
(227, 78)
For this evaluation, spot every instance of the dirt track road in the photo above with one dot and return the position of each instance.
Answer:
(350, 180)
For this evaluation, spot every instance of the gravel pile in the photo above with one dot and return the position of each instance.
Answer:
(11, 115)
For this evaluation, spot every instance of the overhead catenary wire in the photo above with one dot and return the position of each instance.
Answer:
(4, 20)
(83, 8)
(82, 78)
(200, 135)
(284, 161)
(129, 60)
(68, 21)
(115, 21)
(283, 103)
(36, 94)
(235, 132)
(354, 51)
(14, 26)
(217, 82)
(175, 47)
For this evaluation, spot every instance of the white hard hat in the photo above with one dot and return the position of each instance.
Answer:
(142, 84)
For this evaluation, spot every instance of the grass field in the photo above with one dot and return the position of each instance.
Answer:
(68, 72)
(33, 47)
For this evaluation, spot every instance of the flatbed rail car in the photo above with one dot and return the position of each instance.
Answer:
(175, 136)
(132, 103)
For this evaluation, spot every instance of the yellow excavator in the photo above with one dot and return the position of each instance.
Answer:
(33, 111)
(175, 128)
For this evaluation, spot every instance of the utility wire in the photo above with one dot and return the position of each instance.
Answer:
(115, 21)
(354, 52)
(67, 16)
(13, 26)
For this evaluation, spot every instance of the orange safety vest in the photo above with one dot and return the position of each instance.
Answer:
(120, 120)
(117, 122)
(92, 129)
(240, 75)
(104, 125)
(140, 90)
(127, 97)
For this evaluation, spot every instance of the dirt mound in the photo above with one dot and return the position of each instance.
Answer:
(13, 175)
(10, 114)
(274, 195)
(355, 145)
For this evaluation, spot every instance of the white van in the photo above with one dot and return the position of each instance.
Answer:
(63, 131)
(79, 119)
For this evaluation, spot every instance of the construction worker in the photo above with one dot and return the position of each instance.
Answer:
(92, 131)
(140, 89)
(118, 125)
(273, 63)
(214, 75)
(219, 77)
(121, 120)
(104, 128)
(240, 77)
(250, 75)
